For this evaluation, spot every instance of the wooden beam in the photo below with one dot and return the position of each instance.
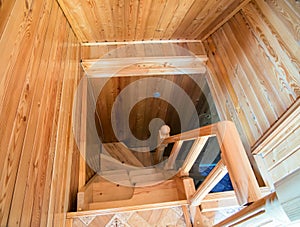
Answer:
(139, 66)
(142, 49)
(235, 158)
(69, 223)
(193, 155)
(213, 178)
(82, 140)
(187, 216)
(127, 209)
(84, 195)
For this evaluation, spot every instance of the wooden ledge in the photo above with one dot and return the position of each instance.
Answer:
(162, 205)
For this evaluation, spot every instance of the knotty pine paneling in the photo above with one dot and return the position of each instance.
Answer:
(39, 73)
(5, 9)
(140, 115)
(99, 21)
(254, 66)
(142, 49)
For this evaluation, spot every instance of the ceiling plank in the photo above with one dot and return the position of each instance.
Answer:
(113, 20)
(143, 67)
(222, 19)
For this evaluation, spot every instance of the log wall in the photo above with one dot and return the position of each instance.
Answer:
(39, 71)
(254, 60)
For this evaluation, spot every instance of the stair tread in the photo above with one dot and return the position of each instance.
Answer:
(148, 178)
(117, 177)
(121, 152)
(107, 163)
(143, 154)
(113, 172)
(144, 171)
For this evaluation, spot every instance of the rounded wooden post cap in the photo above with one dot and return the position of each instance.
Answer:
(165, 129)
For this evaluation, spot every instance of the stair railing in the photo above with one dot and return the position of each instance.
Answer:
(234, 160)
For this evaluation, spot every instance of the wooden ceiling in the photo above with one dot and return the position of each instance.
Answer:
(129, 20)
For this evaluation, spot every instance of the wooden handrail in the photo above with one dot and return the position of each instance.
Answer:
(209, 130)
(233, 159)
(238, 165)
(217, 174)
(233, 156)
(173, 155)
(193, 155)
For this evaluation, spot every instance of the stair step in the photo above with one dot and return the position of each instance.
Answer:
(139, 177)
(109, 191)
(120, 152)
(107, 163)
(143, 172)
(117, 177)
(148, 183)
(165, 192)
(143, 154)
(146, 179)
(169, 173)
(113, 172)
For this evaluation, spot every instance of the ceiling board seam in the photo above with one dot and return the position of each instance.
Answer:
(140, 42)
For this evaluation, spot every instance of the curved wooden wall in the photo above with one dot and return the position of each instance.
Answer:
(38, 74)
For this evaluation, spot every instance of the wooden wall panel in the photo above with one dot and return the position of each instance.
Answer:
(99, 21)
(39, 73)
(255, 67)
(5, 9)
(147, 109)
(142, 49)
(277, 152)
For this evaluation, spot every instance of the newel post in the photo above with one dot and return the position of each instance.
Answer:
(163, 133)
(235, 158)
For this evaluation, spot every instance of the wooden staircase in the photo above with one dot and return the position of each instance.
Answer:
(101, 193)
(120, 152)
(137, 177)
(124, 184)
(134, 157)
